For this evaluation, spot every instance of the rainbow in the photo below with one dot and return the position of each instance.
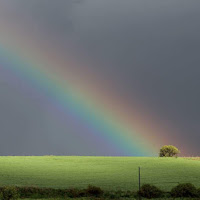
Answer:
(78, 92)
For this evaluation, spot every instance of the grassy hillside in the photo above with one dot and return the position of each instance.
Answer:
(106, 172)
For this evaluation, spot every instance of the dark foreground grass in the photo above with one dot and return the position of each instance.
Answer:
(39, 193)
(114, 199)
(109, 173)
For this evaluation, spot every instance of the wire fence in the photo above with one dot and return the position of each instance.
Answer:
(142, 180)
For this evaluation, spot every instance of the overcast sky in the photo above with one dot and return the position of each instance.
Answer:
(146, 47)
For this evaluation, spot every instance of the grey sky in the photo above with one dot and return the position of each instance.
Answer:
(146, 47)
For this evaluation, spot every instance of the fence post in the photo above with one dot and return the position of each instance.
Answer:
(139, 182)
(139, 179)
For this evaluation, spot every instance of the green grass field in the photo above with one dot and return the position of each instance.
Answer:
(106, 172)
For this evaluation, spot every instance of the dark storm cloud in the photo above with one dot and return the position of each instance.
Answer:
(49, 15)
(148, 48)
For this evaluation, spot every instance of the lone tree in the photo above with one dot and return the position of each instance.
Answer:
(168, 151)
